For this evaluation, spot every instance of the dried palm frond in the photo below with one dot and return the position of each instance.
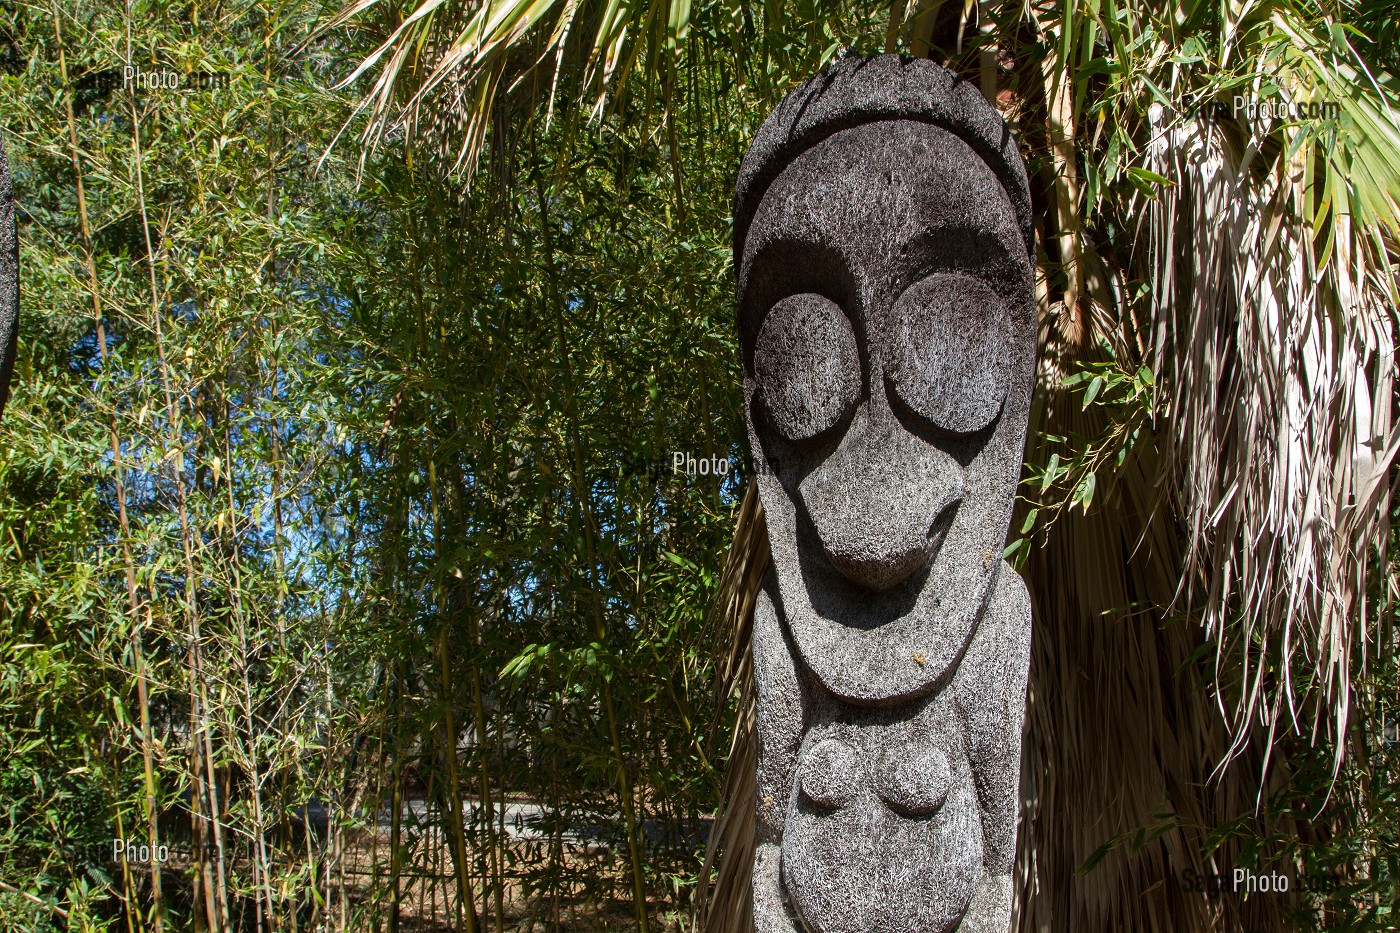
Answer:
(1269, 321)
(726, 904)
(1122, 735)
(439, 73)
(1274, 299)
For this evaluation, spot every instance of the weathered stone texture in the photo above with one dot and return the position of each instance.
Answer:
(9, 278)
(887, 321)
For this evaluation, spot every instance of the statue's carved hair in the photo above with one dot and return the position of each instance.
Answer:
(855, 91)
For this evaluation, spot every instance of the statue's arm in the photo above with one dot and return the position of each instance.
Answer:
(782, 710)
(991, 700)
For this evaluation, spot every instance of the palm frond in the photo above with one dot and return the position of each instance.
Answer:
(438, 74)
(1257, 280)
(726, 904)
(1274, 303)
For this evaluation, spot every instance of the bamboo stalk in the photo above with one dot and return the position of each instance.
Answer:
(325, 903)
(275, 495)
(987, 51)
(374, 834)
(133, 916)
(898, 10)
(624, 779)
(921, 30)
(261, 865)
(208, 724)
(465, 896)
(1060, 129)
(556, 832)
(487, 804)
(260, 829)
(119, 478)
(51, 908)
(215, 906)
(396, 822)
(148, 774)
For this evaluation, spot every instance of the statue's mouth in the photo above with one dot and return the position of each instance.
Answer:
(939, 529)
(876, 647)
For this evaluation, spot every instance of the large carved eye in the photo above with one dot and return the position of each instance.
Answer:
(807, 366)
(950, 336)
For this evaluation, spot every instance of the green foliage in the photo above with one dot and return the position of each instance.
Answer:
(1074, 465)
(363, 494)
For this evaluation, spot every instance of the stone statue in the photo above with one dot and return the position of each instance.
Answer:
(9, 278)
(884, 250)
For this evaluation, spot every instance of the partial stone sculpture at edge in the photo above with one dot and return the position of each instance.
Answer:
(884, 251)
(9, 278)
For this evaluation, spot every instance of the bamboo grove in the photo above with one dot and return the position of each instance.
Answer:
(367, 505)
(344, 559)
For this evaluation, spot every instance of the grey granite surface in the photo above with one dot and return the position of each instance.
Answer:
(9, 278)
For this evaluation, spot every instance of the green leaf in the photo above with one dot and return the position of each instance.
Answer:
(1092, 392)
(1051, 469)
(1084, 492)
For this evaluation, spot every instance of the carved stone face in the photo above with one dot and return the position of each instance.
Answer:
(888, 333)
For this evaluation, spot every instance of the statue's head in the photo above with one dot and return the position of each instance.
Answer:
(884, 252)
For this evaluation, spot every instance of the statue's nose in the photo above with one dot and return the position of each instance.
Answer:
(881, 503)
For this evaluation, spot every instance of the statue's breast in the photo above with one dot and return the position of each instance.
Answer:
(884, 835)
